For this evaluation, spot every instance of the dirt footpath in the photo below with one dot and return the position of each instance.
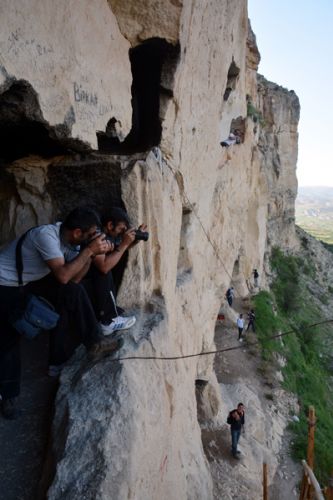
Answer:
(268, 407)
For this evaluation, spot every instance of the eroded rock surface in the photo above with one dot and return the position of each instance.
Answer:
(75, 59)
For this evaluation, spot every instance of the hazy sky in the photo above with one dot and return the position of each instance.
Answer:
(295, 40)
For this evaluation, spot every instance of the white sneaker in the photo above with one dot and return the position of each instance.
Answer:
(118, 323)
(240, 340)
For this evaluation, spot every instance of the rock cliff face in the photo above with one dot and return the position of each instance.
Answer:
(129, 429)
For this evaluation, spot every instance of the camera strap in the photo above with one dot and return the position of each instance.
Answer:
(18, 258)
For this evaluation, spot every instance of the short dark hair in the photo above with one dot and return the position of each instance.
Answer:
(240, 404)
(115, 215)
(82, 218)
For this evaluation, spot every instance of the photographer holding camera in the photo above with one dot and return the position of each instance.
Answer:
(117, 230)
(54, 263)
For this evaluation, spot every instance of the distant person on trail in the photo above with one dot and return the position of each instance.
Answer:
(256, 278)
(240, 324)
(236, 420)
(251, 319)
(230, 295)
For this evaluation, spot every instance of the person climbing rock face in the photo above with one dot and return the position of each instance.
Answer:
(233, 138)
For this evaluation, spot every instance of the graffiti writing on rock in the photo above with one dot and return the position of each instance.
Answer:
(17, 44)
(83, 95)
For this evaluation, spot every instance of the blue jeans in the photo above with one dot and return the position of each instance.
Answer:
(235, 435)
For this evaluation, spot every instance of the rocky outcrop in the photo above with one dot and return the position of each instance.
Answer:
(144, 19)
(130, 427)
(277, 146)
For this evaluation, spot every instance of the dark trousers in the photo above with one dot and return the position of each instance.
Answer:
(77, 315)
(251, 323)
(235, 435)
(240, 331)
(101, 290)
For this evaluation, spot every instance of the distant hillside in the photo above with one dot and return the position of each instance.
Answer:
(314, 212)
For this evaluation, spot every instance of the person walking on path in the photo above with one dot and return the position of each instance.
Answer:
(251, 319)
(256, 278)
(240, 324)
(230, 295)
(236, 420)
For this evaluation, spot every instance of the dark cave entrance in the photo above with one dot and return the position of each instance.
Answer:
(22, 128)
(153, 65)
(232, 78)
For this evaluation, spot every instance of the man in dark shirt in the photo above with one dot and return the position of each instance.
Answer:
(230, 295)
(116, 226)
(236, 420)
(251, 318)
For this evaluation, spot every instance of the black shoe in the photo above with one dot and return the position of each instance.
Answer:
(9, 410)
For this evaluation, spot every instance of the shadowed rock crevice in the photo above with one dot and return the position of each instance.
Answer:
(233, 74)
(84, 179)
(238, 127)
(87, 180)
(23, 129)
(184, 266)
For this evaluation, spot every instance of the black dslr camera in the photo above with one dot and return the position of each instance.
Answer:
(116, 240)
(141, 235)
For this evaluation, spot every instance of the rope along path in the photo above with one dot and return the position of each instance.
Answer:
(210, 241)
(208, 353)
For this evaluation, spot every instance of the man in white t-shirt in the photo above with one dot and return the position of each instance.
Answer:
(240, 324)
(53, 267)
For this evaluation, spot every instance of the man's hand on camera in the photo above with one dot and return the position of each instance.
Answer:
(128, 237)
(111, 246)
(99, 245)
(143, 228)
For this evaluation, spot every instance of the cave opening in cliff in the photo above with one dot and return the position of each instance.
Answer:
(22, 131)
(238, 128)
(232, 77)
(153, 65)
(73, 182)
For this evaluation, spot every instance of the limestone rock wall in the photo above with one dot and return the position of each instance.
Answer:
(277, 146)
(74, 57)
(131, 427)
